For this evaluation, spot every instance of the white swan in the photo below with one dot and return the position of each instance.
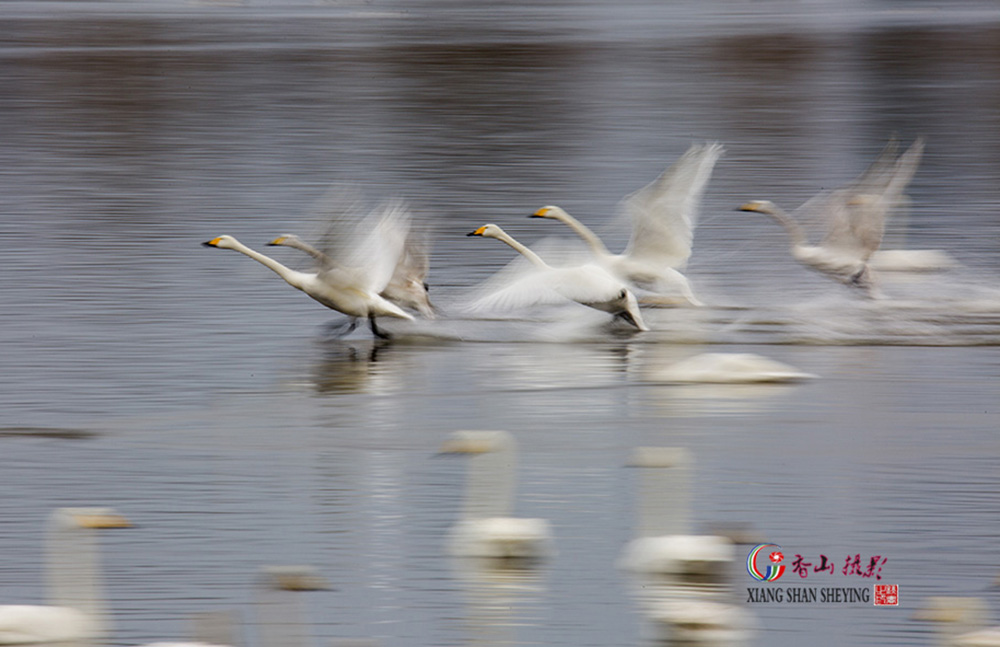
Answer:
(729, 368)
(486, 530)
(961, 621)
(683, 581)
(665, 546)
(77, 615)
(855, 217)
(350, 290)
(408, 285)
(587, 284)
(664, 215)
(281, 614)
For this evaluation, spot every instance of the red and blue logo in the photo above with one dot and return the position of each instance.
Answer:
(774, 570)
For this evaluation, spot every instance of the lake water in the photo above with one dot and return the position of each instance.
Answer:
(204, 399)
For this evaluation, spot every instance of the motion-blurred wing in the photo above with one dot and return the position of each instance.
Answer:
(520, 285)
(664, 213)
(858, 212)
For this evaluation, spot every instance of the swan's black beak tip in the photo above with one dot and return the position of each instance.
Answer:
(208, 243)
(472, 233)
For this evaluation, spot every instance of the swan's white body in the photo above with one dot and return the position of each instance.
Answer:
(406, 288)
(589, 285)
(486, 529)
(961, 621)
(77, 615)
(729, 368)
(664, 215)
(911, 260)
(683, 578)
(350, 290)
(855, 216)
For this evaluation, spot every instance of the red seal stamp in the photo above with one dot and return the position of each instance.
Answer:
(886, 595)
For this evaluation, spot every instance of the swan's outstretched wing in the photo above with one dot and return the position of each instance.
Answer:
(857, 213)
(517, 286)
(362, 247)
(525, 285)
(665, 212)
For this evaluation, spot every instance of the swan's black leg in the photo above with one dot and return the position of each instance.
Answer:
(341, 329)
(381, 334)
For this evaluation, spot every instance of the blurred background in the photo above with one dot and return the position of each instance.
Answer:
(203, 398)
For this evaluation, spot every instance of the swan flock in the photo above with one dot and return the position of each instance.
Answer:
(376, 264)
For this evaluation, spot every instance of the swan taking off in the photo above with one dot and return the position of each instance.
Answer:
(855, 218)
(362, 256)
(408, 285)
(664, 215)
(77, 615)
(486, 529)
(588, 284)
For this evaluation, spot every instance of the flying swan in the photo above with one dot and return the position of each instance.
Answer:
(407, 287)
(587, 284)
(351, 285)
(855, 218)
(664, 215)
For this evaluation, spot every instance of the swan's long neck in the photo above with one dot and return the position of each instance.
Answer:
(593, 242)
(303, 246)
(490, 483)
(74, 575)
(292, 277)
(664, 491)
(527, 253)
(794, 229)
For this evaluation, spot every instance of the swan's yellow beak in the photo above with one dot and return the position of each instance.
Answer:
(478, 232)
(212, 243)
(280, 240)
(749, 206)
(465, 446)
(101, 519)
(541, 213)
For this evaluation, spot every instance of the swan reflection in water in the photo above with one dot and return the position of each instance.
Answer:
(486, 530)
(681, 580)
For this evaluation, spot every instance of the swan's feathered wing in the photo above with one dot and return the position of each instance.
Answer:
(857, 213)
(664, 213)
(363, 254)
(523, 285)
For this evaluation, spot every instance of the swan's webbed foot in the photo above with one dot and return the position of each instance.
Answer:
(381, 334)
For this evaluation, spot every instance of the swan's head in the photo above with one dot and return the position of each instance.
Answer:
(289, 240)
(222, 242)
(96, 518)
(476, 442)
(488, 231)
(759, 206)
(549, 211)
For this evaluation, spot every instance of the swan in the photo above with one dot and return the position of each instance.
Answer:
(729, 368)
(683, 578)
(486, 529)
(77, 614)
(587, 284)
(665, 546)
(855, 216)
(281, 614)
(352, 291)
(407, 287)
(961, 621)
(664, 215)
